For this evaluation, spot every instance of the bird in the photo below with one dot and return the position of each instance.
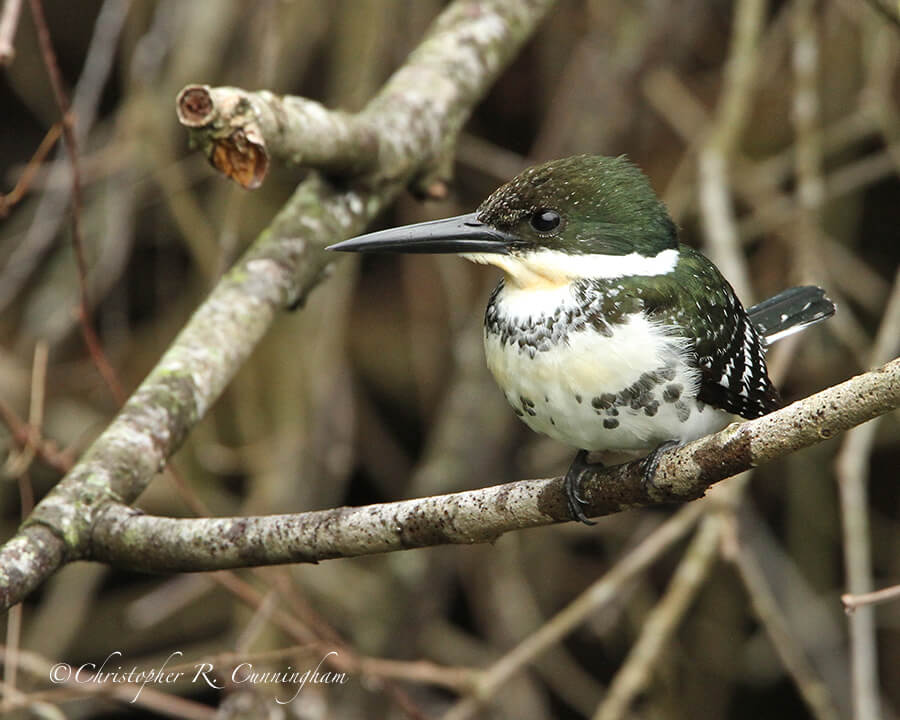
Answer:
(605, 332)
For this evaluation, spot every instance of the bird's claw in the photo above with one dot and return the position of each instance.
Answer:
(651, 463)
(574, 500)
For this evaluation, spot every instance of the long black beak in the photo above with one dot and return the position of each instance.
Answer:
(460, 234)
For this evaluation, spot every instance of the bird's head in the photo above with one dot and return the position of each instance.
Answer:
(582, 216)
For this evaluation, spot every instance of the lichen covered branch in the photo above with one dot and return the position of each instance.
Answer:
(418, 113)
(125, 537)
(240, 131)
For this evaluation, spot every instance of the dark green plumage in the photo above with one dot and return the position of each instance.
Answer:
(727, 346)
(594, 207)
(607, 205)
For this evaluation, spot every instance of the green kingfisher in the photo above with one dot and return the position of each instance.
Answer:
(605, 332)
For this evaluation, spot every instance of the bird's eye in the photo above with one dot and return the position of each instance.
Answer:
(544, 221)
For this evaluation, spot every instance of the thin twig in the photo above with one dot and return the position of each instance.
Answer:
(47, 450)
(19, 464)
(257, 623)
(852, 602)
(28, 174)
(817, 630)
(810, 195)
(846, 179)
(95, 348)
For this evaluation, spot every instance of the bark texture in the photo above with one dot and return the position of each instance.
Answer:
(123, 536)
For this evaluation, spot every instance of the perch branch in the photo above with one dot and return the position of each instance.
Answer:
(124, 536)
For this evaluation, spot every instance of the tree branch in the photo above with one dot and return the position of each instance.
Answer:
(418, 113)
(123, 536)
(241, 131)
(423, 104)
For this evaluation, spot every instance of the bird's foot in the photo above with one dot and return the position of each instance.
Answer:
(575, 502)
(651, 463)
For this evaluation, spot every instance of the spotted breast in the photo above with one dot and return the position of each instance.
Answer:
(583, 364)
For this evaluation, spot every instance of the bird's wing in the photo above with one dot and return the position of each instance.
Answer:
(733, 373)
(729, 351)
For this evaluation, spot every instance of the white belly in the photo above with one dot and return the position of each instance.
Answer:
(629, 390)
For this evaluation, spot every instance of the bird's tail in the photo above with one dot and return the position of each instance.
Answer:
(790, 311)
